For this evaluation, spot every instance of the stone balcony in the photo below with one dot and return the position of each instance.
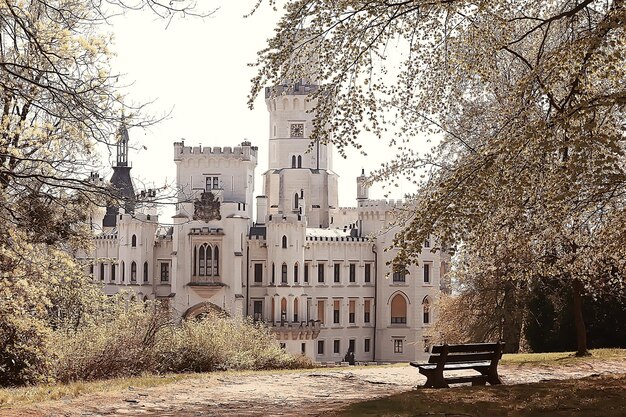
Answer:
(206, 286)
(303, 330)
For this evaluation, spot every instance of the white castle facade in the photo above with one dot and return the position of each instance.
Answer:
(316, 273)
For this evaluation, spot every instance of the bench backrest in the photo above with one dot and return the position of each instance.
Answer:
(475, 352)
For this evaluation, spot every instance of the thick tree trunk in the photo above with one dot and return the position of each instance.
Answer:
(581, 331)
(512, 326)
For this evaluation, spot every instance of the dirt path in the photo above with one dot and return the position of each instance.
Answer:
(305, 393)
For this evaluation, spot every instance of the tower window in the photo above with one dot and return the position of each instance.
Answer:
(165, 272)
(133, 241)
(258, 273)
(206, 260)
(297, 130)
(284, 242)
(295, 272)
(426, 273)
(368, 273)
(145, 272)
(337, 273)
(320, 273)
(293, 161)
(133, 271)
(283, 274)
(299, 161)
(426, 310)
(112, 272)
(352, 273)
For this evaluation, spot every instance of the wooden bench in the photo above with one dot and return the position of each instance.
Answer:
(480, 357)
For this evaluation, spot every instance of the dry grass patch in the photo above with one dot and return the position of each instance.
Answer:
(561, 358)
(11, 397)
(588, 397)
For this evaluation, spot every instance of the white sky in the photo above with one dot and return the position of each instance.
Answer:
(197, 68)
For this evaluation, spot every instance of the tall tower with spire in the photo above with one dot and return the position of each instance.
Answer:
(121, 182)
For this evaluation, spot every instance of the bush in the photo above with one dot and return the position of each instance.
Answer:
(138, 338)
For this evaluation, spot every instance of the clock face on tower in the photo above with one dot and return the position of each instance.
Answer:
(297, 130)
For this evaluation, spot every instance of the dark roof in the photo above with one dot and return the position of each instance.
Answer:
(123, 192)
(258, 231)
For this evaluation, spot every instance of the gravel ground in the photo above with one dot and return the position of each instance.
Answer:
(303, 393)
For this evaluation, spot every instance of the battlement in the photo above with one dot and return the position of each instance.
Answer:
(246, 152)
(380, 205)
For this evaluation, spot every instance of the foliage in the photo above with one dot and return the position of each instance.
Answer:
(526, 102)
(139, 338)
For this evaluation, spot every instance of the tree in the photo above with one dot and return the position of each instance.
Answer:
(58, 100)
(527, 102)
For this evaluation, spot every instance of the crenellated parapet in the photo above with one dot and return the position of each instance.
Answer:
(246, 152)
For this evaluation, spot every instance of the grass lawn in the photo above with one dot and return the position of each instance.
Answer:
(587, 397)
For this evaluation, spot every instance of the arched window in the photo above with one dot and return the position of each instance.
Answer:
(145, 272)
(101, 271)
(133, 271)
(216, 261)
(296, 201)
(293, 161)
(209, 259)
(133, 241)
(283, 274)
(299, 161)
(283, 309)
(398, 310)
(295, 272)
(201, 259)
(284, 242)
(123, 271)
(426, 310)
(195, 261)
(295, 309)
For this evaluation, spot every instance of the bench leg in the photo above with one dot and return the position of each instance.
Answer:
(492, 376)
(435, 381)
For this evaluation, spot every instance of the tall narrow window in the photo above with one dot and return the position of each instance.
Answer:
(195, 261)
(283, 309)
(216, 183)
(336, 311)
(368, 273)
(295, 272)
(306, 273)
(320, 310)
(366, 345)
(133, 271)
(112, 272)
(273, 274)
(320, 347)
(165, 272)
(398, 310)
(426, 273)
(258, 273)
(366, 311)
(258, 310)
(427, 243)
(352, 312)
(123, 268)
(145, 272)
(209, 259)
(216, 261)
(201, 258)
(293, 161)
(320, 273)
(299, 161)
(336, 346)
(296, 201)
(101, 271)
(296, 306)
(426, 310)
(283, 274)
(133, 241)
(284, 242)
(352, 273)
(337, 273)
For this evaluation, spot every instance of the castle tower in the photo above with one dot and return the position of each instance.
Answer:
(123, 189)
(362, 187)
(298, 172)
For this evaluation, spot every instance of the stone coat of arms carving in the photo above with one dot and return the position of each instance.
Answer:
(207, 207)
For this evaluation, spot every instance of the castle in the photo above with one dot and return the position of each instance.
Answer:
(316, 273)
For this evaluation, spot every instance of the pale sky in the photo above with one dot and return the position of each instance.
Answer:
(197, 68)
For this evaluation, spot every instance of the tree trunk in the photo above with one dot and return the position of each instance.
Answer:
(512, 326)
(581, 331)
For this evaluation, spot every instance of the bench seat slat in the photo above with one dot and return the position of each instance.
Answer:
(464, 357)
(451, 366)
(473, 347)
